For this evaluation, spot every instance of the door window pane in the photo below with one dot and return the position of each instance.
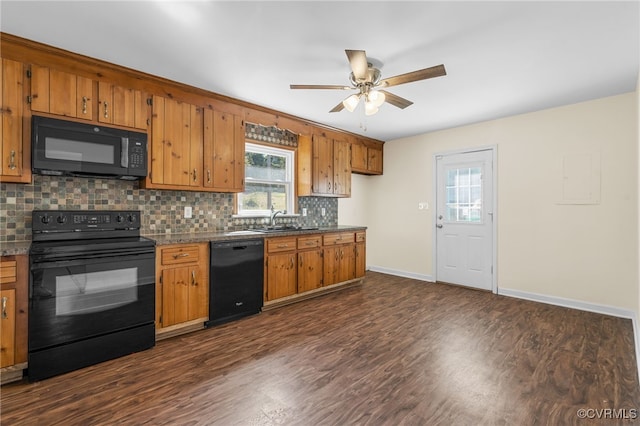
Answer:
(464, 195)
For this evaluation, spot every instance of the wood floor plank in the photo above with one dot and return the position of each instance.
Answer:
(391, 351)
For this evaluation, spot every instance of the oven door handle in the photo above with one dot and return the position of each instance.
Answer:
(86, 259)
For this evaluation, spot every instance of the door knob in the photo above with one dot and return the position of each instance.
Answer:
(439, 225)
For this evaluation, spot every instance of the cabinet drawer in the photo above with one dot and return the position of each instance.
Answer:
(178, 255)
(340, 238)
(276, 245)
(313, 241)
(8, 272)
(361, 237)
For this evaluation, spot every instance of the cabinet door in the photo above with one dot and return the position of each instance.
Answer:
(346, 266)
(175, 295)
(331, 262)
(281, 276)
(309, 270)
(198, 293)
(61, 93)
(11, 107)
(342, 168)
(7, 327)
(223, 151)
(322, 167)
(84, 98)
(374, 161)
(359, 157)
(176, 143)
(121, 106)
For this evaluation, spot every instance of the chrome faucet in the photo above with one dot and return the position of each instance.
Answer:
(274, 213)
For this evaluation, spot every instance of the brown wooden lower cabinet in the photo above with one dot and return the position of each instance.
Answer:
(13, 317)
(182, 288)
(309, 263)
(302, 266)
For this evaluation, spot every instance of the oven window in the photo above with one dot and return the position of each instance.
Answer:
(65, 149)
(91, 292)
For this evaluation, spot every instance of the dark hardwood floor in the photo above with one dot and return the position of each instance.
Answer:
(391, 351)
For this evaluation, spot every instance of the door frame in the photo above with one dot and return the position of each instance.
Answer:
(434, 214)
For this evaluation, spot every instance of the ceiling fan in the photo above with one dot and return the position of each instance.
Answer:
(365, 78)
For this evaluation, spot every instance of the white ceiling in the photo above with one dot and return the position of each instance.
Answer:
(502, 58)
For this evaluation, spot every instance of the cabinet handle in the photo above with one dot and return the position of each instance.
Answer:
(175, 256)
(329, 186)
(106, 110)
(84, 104)
(282, 245)
(12, 160)
(310, 243)
(195, 175)
(4, 307)
(193, 278)
(336, 255)
(301, 261)
(208, 176)
(291, 260)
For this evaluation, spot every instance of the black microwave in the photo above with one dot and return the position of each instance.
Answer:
(69, 148)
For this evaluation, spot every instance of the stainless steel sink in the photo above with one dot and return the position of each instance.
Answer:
(285, 228)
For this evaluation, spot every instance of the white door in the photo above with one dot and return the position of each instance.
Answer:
(464, 219)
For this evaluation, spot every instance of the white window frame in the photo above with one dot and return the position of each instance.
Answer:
(289, 181)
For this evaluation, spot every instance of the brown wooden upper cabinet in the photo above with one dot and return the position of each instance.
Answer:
(327, 162)
(66, 94)
(224, 139)
(366, 159)
(176, 145)
(14, 148)
(122, 106)
(61, 93)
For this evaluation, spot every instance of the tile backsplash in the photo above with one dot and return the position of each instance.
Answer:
(162, 211)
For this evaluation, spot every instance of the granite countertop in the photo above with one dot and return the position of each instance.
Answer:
(162, 239)
(13, 248)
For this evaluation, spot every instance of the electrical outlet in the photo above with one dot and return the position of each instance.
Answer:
(304, 211)
(188, 212)
(323, 211)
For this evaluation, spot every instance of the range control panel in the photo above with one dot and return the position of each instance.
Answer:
(60, 221)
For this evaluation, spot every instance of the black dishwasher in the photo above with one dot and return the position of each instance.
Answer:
(235, 280)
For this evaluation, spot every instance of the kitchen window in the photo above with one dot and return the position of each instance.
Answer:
(269, 180)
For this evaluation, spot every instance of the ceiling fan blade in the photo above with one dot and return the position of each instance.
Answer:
(319, 86)
(424, 74)
(396, 100)
(358, 62)
(338, 107)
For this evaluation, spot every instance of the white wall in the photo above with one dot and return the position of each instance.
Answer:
(586, 253)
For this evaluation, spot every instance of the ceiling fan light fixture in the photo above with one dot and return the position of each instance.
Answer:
(351, 102)
(370, 108)
(376, 98)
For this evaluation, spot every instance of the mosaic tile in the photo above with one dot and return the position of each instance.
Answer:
(161, 210)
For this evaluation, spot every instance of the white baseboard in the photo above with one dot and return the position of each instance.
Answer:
(403, 274)
(583, 306)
